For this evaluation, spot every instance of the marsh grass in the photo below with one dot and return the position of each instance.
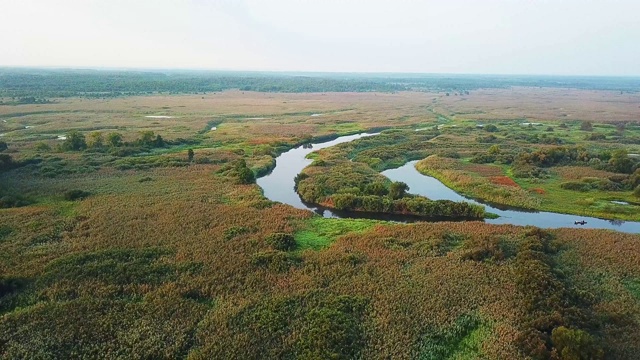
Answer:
(179, 267)
(317, 233)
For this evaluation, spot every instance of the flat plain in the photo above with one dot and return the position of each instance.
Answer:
(136, 249)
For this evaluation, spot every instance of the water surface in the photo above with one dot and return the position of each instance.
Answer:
(433, 189)
(279, 184)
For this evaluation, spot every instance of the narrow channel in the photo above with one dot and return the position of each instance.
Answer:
(278, 185)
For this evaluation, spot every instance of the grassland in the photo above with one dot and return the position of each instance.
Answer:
(567, 173)
(168, 257)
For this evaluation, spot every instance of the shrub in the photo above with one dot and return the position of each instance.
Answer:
(376, 188)
(586, 126)
(75, 141)
(73, 195)
(10, 201)
(576, 186)
(243, 174)
(398, 189)
(114, 139)
(575, 344)
(490, 128)
(281, 241)
(345, 201)
(42, 146)
(235, 231)
(275, 260)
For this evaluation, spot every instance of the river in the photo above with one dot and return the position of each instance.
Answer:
(279, 184)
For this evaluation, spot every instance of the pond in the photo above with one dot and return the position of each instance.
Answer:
(279, 186)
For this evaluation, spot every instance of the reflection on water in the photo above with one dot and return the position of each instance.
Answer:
(432, 188)
(279, 184)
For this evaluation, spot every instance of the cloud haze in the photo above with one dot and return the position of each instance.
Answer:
(585, 37)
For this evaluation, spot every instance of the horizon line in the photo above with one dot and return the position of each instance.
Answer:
(319, 72)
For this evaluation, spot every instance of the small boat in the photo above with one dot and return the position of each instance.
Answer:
(580, 222)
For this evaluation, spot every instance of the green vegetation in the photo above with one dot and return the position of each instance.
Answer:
(28, 86)
(118, 241)
(281, 241)
(576, 178)
(317, 233)
(462, 340)
(336, 181)
(72, 195)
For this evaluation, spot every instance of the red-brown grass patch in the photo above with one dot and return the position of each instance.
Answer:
(503, 180)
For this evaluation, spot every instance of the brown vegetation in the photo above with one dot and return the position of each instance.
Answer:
(161, 261)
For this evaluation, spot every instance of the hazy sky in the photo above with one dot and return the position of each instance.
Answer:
(589, 37)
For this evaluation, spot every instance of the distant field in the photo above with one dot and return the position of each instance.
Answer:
(544, 104)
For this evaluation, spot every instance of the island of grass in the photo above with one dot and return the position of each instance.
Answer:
(336, 182)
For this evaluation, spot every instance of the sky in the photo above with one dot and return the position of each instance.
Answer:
(557, 37)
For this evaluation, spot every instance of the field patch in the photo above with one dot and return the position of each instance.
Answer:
(503, 180)
(317, 233)
(462, 340)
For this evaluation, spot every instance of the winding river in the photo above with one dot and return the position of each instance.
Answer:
(279, 184)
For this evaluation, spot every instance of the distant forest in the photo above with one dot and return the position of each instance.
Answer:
(25, 85)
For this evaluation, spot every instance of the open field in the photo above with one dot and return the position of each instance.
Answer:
(542, 104)
(133, 248)
(247, 116)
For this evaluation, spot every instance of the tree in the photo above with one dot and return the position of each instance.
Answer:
(114, 139)
(159, 142)
(244, 174)
(376, 188)
(190, 154)
(398, 189)
(75, 141)
(620, 162)
(96, 140)
(147, 138)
